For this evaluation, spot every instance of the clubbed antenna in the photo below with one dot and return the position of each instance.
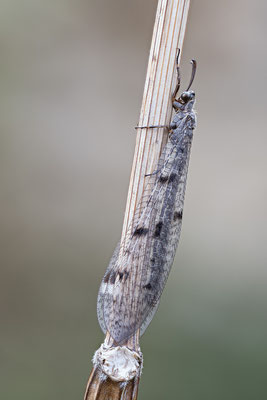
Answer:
(194, 68)
(176, 90)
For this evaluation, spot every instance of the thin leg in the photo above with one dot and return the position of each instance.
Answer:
(152, 126)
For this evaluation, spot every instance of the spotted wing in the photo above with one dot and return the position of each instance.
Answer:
(132, 286)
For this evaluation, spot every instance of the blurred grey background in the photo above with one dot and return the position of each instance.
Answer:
(70, 70)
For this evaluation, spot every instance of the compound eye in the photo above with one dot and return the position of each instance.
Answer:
(185, 97)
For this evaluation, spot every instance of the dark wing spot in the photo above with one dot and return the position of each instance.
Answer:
(106, 277)
(158, 229)
(148, 286)
(120, 276)
(177, 215)
(163, 179)
(140, 231)
(172, 177)
(181, 149)
(152, 261)
(112, 278)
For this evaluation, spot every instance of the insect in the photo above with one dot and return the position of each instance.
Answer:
(130, 291)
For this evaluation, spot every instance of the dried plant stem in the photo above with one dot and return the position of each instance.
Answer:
(168, 36)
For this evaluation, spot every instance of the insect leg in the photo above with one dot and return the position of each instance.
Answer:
(151, 126)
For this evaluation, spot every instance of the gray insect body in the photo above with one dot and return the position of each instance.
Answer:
(133, 283)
